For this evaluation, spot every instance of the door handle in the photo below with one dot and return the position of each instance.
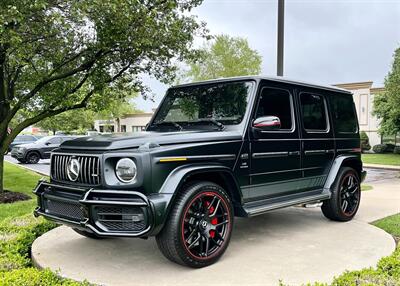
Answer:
(315, 152)
(294, 153)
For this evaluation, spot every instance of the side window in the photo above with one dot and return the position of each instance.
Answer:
(344, 115)
(314, 112)
(276, 102)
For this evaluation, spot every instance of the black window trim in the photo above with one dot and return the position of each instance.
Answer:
(292, 113)
(328, 124)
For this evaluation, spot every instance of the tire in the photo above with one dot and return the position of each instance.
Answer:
(202, 214)
(346, 194)
(87, 234)
(32, 157)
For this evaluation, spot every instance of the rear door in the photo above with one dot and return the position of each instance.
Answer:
(275, 155)
(318, 145)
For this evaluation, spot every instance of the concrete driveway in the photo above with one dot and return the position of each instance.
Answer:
(43, 167)
(295, 245)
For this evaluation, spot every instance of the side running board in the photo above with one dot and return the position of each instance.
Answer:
(261, 207)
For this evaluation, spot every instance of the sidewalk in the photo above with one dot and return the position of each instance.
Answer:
(379, 166)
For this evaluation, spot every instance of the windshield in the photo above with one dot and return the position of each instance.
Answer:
(203, 106)
(43, 139)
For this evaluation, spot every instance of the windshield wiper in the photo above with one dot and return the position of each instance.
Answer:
(170, 123)
(213, 121)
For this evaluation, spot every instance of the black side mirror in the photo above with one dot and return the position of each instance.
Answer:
(47, 143)
(267, 123)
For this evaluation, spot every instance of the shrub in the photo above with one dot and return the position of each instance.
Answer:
(379, 148)
(35, 277)
(390, 148)
(365, 146)
(396, 150)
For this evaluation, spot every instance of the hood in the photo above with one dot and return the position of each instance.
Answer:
(134, 140)
(25, 145)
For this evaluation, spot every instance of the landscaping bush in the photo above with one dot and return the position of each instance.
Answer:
(365, 146)
(390, 148)
(396, 150)
(380, 148)
(35, 277)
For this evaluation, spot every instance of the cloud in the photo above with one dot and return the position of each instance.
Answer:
(325, 41)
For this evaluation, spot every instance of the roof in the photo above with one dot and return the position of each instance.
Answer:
(269, 78)
(355, 85)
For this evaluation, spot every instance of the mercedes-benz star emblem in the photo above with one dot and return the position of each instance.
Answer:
(73, 169)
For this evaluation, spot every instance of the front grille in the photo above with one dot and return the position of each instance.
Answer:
(69, 210)
(89, 173)
(121, 218)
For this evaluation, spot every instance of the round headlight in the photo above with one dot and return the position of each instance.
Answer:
(126, 170)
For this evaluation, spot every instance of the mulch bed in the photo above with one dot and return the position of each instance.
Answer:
(8, 197)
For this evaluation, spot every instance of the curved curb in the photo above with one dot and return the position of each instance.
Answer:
(293, 245)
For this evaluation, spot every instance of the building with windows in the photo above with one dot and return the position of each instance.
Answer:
(126, 123)
(363, 95)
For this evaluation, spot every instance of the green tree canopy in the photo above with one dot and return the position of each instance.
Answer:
(387, 103)
(62, 55)
(225, 56)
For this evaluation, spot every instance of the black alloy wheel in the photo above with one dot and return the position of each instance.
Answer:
(32, 158)
(199, 226)
(349, 194)
(205, 225)
(346, 196)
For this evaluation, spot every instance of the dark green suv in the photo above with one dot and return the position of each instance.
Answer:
(212, 151)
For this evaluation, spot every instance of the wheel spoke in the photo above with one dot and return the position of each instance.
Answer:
(191, 235)
(216, 208)
(212, 202)
(194, 242)
(221, 223)
(344, 205)
(207, 246)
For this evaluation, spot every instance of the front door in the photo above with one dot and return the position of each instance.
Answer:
(275, 154)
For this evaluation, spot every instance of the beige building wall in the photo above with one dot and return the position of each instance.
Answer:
(363, 95)
(126, 123)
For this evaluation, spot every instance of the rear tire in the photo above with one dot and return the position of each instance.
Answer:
(87, 234)
(32, 157)
(346, 194)
(198, 229)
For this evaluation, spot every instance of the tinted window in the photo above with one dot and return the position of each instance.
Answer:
(276, 102)
(344, 114)
(314, 113)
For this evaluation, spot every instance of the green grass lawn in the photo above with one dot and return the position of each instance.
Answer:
(390, 224)
(18, 180)
(382, 159)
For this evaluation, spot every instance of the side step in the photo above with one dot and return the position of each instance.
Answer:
(260, 207)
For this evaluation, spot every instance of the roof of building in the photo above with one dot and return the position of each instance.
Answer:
(355, 85)
(269, 78)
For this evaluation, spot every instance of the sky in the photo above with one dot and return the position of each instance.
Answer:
(326, 41)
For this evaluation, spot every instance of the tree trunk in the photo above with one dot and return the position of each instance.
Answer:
(1, 171)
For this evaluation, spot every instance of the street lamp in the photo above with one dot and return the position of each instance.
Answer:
(281, 16)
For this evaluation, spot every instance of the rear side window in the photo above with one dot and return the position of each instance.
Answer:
(344, 115)
(314, 112)
(276, 102)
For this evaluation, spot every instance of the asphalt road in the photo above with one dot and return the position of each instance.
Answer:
(43, 167)
(373, 175)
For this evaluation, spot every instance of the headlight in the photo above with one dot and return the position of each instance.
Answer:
(126, 170)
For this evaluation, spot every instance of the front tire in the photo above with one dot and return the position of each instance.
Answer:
(32, 158)
(346, 194)
(199, 227)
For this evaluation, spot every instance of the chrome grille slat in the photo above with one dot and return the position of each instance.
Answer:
(89, 173)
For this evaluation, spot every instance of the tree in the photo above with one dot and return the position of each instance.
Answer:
(60, 55)
(82, 120)
(387, 103)
(225, 57)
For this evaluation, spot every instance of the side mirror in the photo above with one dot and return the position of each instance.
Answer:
(267, 123)
(47, 143)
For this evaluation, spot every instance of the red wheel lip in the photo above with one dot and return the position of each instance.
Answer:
(184, 215)
(359, 199)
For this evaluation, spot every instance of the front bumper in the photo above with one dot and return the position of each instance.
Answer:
(106, 213)
(16, 154)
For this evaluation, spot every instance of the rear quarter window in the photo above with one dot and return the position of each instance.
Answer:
(344, 114)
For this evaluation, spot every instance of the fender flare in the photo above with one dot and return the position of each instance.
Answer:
(336, 165)
(174, 182)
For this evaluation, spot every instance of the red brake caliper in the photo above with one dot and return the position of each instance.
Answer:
(214, 220)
